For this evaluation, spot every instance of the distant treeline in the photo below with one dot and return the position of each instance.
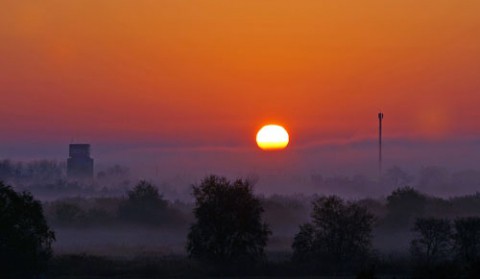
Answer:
(46, 178)
(42, 171)
(329, 235)
(227, 230)
(435, 180)
(142, 205)
(397, 211)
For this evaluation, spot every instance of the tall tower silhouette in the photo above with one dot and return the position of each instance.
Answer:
(79, 164)
(380, 118)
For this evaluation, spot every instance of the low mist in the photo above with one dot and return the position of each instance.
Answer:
(90, 217)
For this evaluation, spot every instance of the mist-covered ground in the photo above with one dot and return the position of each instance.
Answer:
(86, 217)
(95, 226)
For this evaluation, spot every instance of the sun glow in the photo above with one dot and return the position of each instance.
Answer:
(272, 137)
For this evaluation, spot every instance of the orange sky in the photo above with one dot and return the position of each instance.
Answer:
(212, 72)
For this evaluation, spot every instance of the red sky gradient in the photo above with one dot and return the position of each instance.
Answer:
(210, 73)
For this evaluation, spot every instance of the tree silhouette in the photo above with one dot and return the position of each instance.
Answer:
(433, 243)
(228, 227)
(467, 239)
(304, 243)
(340, 233)
(404, 205)
(144, 205)
(25, 238)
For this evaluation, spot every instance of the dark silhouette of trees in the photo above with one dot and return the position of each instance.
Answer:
(144, 205)
(467, 239)
(229, 226)
(433, 242)
(25, 237)
(431, 251)
(403, 206)
(338, 236)
(304, 244)
(37, 171)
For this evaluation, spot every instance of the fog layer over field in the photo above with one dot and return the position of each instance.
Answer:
(96, 217)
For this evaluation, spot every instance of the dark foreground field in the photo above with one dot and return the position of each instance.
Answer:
(93, 267)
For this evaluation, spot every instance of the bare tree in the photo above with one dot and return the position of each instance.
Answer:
(433, 241)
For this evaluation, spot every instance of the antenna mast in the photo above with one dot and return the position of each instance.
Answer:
(380, 118)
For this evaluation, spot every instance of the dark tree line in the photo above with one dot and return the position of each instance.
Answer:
(47, 178)
(25, 237)
(142, 205)
(338, 240)
(229, 229)
(441, 243)
(38, 171)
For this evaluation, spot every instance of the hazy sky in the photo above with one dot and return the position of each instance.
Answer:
(187, 74)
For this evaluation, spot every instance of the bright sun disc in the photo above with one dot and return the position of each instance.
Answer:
(272, 137)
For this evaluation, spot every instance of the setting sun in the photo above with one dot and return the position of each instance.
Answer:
(272, 137)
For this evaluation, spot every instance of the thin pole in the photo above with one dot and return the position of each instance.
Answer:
(380, 118)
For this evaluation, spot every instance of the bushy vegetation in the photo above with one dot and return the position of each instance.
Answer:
(338, 239)
(441, 250)
(47, 179)
(330, 235)
(228, 224)
(142, 206)
(38, 171)
(25, 237)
